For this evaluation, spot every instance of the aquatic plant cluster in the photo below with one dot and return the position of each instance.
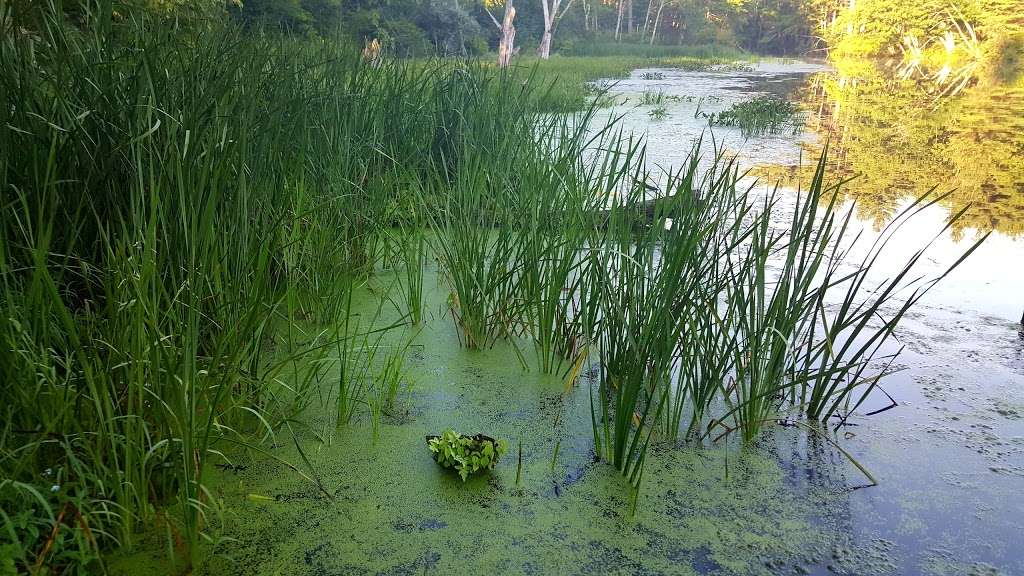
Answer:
(762, 115)
(466, 454)
(190, 210)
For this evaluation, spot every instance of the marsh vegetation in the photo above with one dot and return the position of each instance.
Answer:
(762, 115)
(222, 245)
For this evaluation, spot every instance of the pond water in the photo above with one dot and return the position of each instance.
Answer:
(949, 458)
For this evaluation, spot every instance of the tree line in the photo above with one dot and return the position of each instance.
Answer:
(412, 28)
(471, 27)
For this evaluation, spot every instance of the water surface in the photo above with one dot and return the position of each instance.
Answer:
(950, 457)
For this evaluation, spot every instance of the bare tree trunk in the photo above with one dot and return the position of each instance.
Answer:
(551, 18)
(629, 17)
(544, 49)
(647, 15)
(657, 20)
(618, 21)
(506, 45)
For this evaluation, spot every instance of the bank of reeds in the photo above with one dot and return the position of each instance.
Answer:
(187, 209)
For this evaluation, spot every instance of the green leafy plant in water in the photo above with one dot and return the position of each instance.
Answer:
(762, 115)
(466, 454)
(659, 113)
(653, 97)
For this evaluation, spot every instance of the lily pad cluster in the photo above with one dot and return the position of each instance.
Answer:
(466, 454)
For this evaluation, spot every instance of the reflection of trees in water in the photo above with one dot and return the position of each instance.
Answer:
(900, 142)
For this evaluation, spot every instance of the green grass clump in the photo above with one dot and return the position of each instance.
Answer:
(652, 98)
(658, 113)
(762, 115)
(714, 322)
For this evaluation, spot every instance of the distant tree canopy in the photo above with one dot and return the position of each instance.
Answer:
(404, 27)
(858, 27)
(418, 27)
(784, 27)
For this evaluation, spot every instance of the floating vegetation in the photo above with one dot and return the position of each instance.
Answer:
(652, 76)
(762, 115)
(659, 113)
(466, 454)
(733, 67)
(697, 113)
(659, 98)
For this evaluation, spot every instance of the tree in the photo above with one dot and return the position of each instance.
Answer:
(657, 18)
(507, 31)
(449, 26)
(551, 18)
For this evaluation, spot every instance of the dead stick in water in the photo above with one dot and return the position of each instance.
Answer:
(840, 448)
(519, 464)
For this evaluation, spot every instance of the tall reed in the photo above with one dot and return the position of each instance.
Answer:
(710, 308)
(186, 207)
(189, 208)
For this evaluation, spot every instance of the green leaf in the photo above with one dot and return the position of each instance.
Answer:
(466, 454)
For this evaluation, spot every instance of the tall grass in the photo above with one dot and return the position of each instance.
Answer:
(715, 319)
(186, 210)
(189, 209)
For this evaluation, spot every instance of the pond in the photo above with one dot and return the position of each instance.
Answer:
(949, 458)
(951, 455)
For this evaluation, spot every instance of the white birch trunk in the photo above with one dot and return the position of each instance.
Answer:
(506, 45)
(544, 49)
(618, 21)
(657, 20)
(551, 18)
